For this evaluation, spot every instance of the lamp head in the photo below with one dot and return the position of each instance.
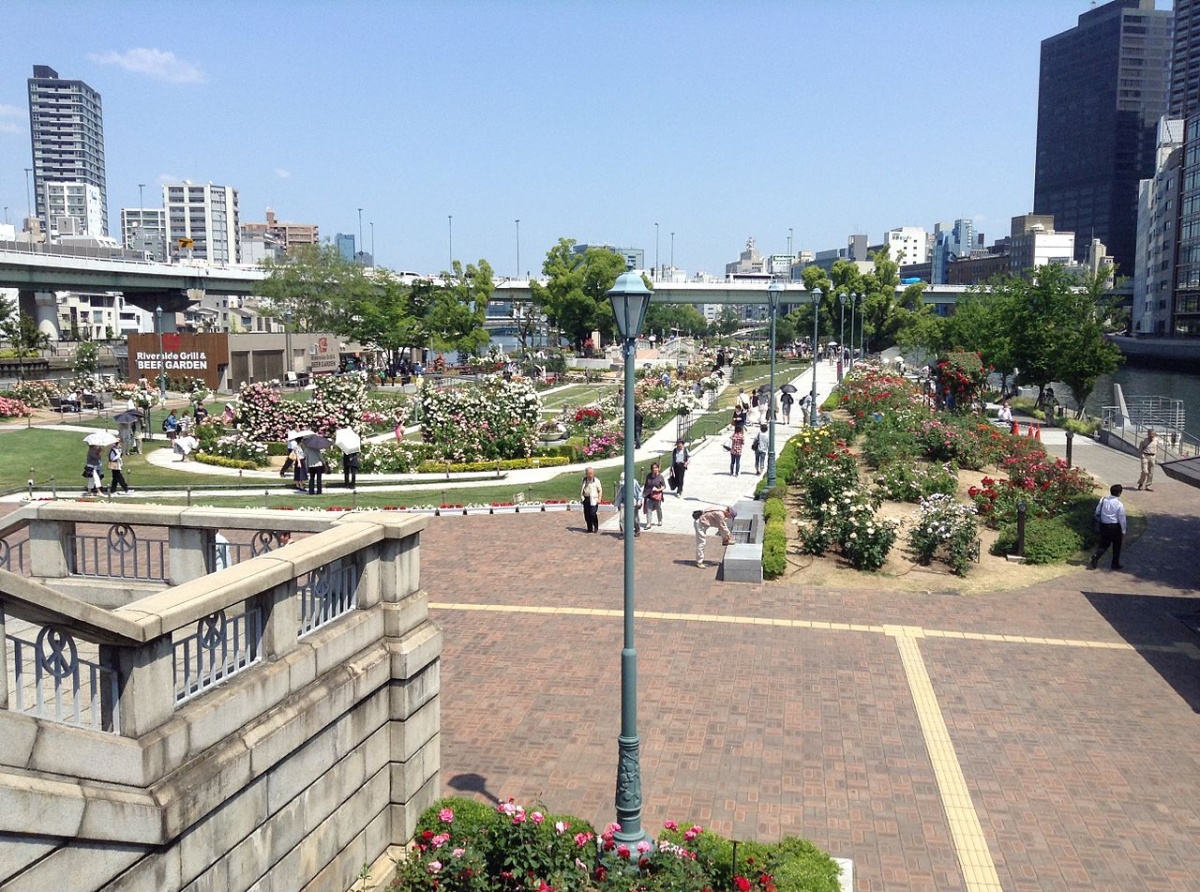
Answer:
(630, 297)
(816, 295)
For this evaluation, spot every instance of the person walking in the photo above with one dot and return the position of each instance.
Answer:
(679, 464)
(713, 518)
(760, 449)
(350, 469)
(591, 491)
(653, 491)
(116, 464)
(92, 473)
(785, 401)
(639, 421)
(619, 503)
(737, 443)
(170, 425)
(299, 470)
(314, 460)
(1110, 514)
(1149, 454)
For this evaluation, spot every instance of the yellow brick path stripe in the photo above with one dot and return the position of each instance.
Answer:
(978, 868)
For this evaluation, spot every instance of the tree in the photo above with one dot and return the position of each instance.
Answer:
(727, 321)
(455, 317)
(1085, 353)
(87, 359)
(315, 289)
(574, 297)
(667, 319)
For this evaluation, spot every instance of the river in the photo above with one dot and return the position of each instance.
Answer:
(1139, 381)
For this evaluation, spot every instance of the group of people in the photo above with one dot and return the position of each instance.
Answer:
(647, 497)
(99, 458)
(306, 463)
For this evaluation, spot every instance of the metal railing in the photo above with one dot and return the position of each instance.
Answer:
(52, 681)
(119, 554)
(1174, 442)
(325, 595)
(13, 555)
(221, 647)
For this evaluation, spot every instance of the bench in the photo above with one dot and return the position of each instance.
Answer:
(743, 559)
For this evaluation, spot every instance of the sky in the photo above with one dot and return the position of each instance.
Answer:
(682, 128)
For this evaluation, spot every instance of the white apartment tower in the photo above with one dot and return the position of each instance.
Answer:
(202, 222)
(1154, 249)
(72, 209)
(66, 128)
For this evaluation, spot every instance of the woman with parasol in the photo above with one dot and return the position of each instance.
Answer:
(315, 460)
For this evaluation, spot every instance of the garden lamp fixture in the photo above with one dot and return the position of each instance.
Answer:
(841, 334)
(812, 407)
(162, 359)
(630, 297)
(853, 304)
(774, 290)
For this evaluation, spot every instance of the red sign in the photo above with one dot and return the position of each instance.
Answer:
(322, 345)
(171, 342)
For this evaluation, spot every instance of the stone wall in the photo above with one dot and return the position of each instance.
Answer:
(302, 766)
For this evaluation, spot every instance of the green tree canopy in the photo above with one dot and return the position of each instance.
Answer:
(315, 289)
(455, 316)
(667, 319)
(574, 297)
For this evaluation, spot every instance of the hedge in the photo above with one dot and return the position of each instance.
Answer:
(774, 539)
(508, 464)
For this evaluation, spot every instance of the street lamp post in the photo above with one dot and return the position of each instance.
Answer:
(162, 359)
(657, 267)
(362, 249)
(372, 225)
(773, 292)
(841, 333)
(853, 304)
(630, 297)
(862, 329)
(812, 408)
(450, 225)
(518, 247)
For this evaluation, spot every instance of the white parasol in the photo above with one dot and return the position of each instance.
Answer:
(300, 435)
(347, 440)
(102, 438)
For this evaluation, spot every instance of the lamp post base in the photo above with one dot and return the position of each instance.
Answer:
(629, 790)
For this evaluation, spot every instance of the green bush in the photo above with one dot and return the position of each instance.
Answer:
(1083, 426)
(888, 440)
(221, 461)
(1047, 540)
(774, 509)
(507, 464)
(774, 544)
(908, 481)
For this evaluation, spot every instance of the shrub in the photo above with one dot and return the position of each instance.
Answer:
(889, 440)
(509, 464)
(1083, 426)
(946, 527)
(774, 559)
(911, 481)
(1047, 541)
(774, 509)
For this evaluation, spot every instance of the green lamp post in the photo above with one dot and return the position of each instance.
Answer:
(773, 291)
(630, 297)
(812, 408)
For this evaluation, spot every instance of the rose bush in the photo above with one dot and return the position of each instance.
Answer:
(492, 419)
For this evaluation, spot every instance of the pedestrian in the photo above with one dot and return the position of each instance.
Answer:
(299, 470)
(713, 518)
(116, 464)
(350, 469)
(760, 448)
(1004, 416)
(740, 414)
(619, 503)
(92, 473)
(1149, 452)
(201, 414)
(591, 491)
(639, 421)
(786, 401)
(653, 491)
(289, 460)
(680, 457)
(170, 425)
(742, 400)
(314, 461)
(1110, 515)
(185, 425)
(737, 443)
(227, 415)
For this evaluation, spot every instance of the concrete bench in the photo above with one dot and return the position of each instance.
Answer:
(743, 559)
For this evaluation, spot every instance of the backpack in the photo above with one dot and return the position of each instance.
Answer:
(164, 424)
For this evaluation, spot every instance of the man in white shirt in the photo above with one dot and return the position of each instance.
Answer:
(1110, 514)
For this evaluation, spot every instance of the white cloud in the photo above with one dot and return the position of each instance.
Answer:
(10, 111)
(158, 64)
(282, 174)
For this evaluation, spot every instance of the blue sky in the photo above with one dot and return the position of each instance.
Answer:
(593, 121)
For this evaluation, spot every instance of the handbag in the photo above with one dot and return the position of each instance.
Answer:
(727, 444)
(673, 482)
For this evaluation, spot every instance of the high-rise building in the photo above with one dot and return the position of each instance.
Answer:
(1185, 60)
(1102, 87)
(908, 244)
(345, 245)
(950, 242)
(66, 127)
(1158, 216)
(202, 222)
(145, 229)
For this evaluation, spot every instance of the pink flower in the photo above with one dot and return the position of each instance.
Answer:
(446, 815)
(537, 817)
(458, 853)
(519, 818)
(582, 839)
(670, 825)
(622, 851)
(643, 847)
(440, 840)
(560, 827)
(434, 867)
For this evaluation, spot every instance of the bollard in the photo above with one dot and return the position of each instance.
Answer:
(1021, 529)
(53, 488)
(189, 497)
(498, 469)
(1070, 443)
(266, 498)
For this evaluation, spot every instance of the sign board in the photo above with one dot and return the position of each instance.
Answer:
(325, 357)
(202, 356)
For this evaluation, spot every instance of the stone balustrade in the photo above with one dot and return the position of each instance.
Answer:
(264, 715)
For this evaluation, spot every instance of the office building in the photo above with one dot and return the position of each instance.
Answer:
(635, 258)
(1102, 87)
(290, 235)
(1034, 242)
(145, 230)
(345, 246)
(1157, 234)
(66, 128)
(1185, 61)
(951, 241)
(72, 209)
(202, 222)
(907, 245)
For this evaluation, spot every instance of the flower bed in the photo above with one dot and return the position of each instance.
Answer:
(462, 845)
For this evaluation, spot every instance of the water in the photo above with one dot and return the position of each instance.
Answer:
(1139, 382)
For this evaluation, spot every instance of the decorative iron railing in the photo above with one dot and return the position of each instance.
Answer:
(219, 648)
(119, 554)
(52, 681)
(325, 595)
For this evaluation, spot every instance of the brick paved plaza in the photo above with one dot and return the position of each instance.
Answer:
(1040, 739)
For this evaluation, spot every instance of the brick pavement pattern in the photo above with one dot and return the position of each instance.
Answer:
(767, 710)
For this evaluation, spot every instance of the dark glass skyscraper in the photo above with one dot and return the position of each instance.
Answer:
(1102, 87)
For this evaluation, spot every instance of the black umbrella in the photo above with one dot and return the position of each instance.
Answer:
(128, 417)
(788, 388)
(766, 388)
(316, 441)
